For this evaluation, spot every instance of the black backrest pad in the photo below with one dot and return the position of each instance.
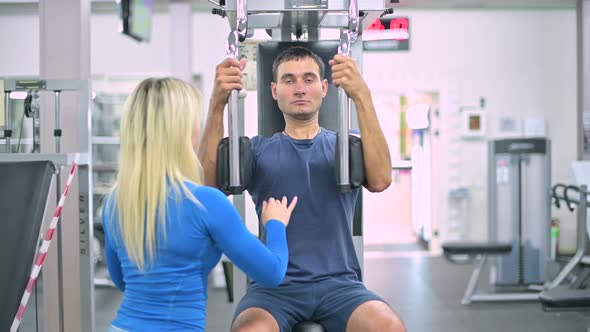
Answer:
(270, 118)
(24, 188)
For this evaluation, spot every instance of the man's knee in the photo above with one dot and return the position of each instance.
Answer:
(387, 322)
(255, 319)
(375, 316)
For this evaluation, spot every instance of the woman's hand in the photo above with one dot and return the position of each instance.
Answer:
(279, 210)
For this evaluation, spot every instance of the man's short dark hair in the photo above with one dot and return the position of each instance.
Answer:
(296, 53)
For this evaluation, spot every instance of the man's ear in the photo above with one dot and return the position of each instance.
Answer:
(273, 90)
(324, 88)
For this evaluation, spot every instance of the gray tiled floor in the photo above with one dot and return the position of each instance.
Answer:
(425, 291)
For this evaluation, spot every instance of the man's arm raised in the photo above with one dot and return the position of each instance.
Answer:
(377, 160)
(228, 77)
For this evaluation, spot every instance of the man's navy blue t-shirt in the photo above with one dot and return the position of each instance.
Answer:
(319, 234)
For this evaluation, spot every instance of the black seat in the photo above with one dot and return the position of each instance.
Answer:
(308, 327)
(561, 298)
(477, 248)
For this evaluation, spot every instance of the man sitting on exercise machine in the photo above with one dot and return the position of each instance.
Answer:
(323, 281)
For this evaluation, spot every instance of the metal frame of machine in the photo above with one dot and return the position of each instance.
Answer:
(82, 138)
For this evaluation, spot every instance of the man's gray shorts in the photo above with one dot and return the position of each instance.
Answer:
(329, 302)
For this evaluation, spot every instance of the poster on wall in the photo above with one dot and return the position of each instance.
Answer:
(473, 122)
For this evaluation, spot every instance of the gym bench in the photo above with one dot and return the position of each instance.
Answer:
(480, 251)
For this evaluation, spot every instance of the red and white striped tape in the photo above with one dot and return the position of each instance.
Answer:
(43, 251)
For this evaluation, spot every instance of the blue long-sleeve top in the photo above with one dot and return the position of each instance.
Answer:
(171, 293)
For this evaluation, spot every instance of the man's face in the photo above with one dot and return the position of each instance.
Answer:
(299, 90)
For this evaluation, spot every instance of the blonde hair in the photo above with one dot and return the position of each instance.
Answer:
(156, 156)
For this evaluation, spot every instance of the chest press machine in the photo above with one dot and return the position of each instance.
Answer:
(299, 18)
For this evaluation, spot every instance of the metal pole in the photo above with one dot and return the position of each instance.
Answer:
(520, 259)
(582, 221)
(232, 109)
(60, 278)
(57, 132)
(343, 126)
(347, 37)
(36, 123)
(232, 51)
(7, 130)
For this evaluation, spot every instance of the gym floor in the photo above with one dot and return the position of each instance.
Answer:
(425, 291)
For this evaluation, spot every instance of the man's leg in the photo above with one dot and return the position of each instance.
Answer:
(272, 310)
(255, 319)
(349, 306)
(374, 316)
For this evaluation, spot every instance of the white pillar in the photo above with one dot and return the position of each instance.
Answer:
(181, 38)
(65, 54)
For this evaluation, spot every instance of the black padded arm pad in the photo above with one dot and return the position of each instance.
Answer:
(223, 166)
(356, 162)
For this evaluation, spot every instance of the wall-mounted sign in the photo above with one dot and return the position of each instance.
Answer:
(474, 122)
(387, 34)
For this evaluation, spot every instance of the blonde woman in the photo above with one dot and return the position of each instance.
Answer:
(164, 230)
